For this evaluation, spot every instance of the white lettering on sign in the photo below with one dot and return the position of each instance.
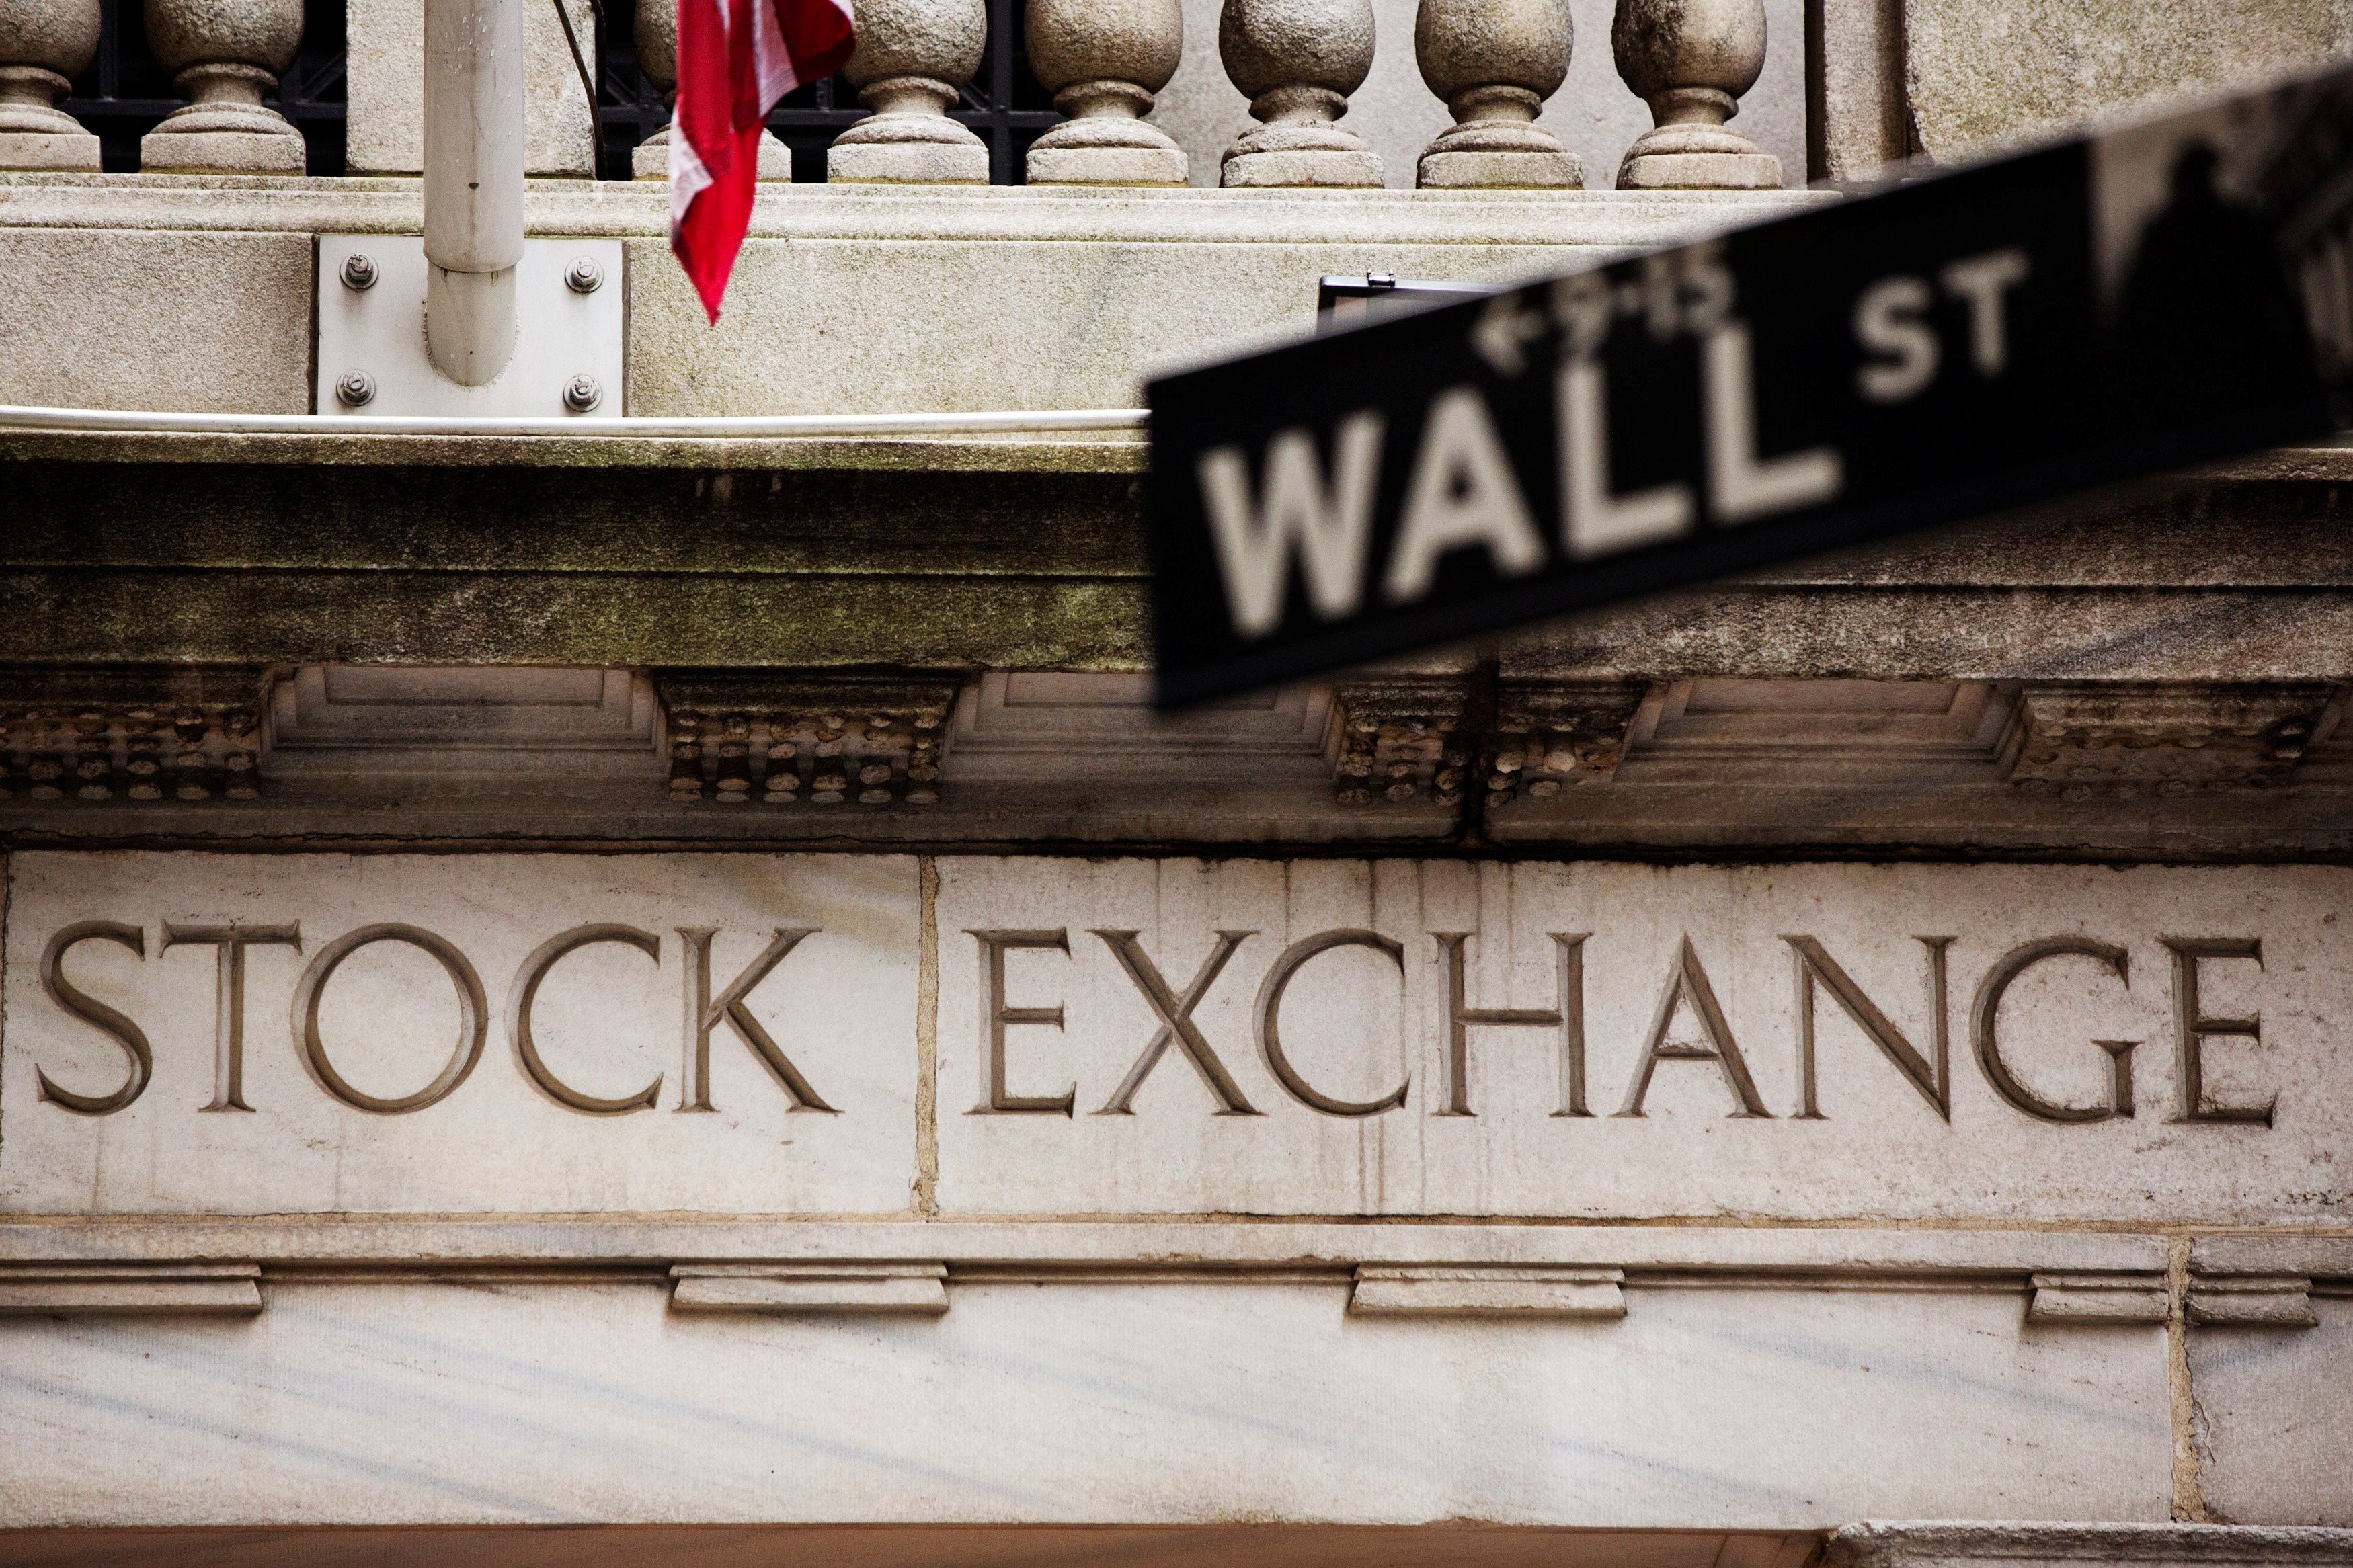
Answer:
(1594, 521)
(1891, 320)
(1328, 527)
(1461, 496)
(1741, 486)
(1461, 493)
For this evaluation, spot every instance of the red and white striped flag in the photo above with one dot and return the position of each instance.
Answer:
(735, 59)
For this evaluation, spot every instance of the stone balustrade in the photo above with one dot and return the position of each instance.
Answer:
(224, 55)
(1493, 63)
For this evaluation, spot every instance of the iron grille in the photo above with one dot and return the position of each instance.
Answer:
(1004, 106)
(125, 92)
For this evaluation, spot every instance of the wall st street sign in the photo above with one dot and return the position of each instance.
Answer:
(2165, 293)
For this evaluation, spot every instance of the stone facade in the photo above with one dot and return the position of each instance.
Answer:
(643, 979)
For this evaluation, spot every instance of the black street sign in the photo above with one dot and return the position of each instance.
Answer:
(2165, 293)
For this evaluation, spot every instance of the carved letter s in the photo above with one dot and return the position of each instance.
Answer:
(97, 1014)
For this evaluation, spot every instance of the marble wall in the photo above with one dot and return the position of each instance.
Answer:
(978, 1036)
(1076, 1401)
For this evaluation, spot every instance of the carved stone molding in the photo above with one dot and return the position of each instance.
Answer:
(737, 737)
(2118, 1297)
(821, 1288)
(1486, 1291)
(134, 734)
(1397, 741)
(2251, 1300)
(1549, 735)
(115, 1289)
(2082, 739)
(1877, 1545)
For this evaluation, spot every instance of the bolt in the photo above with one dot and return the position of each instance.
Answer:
(359, 272)
(584, 276)
(582, 393)
(354, 388)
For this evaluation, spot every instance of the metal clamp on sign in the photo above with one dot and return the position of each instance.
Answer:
(1341, 301)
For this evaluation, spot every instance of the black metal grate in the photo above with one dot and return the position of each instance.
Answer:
(1004, 106)
(125, 92)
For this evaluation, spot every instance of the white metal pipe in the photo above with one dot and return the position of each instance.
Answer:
(473, 183)
(735, 426)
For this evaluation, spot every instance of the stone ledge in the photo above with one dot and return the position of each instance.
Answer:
(1110, 453)
(2099, 1299)
(2252, 1301)
(1794, 1255)
(627, 209)
(1429, 1291)
(128, 1290)
(2315, 1256)
(1875, 1544)
(810, 1289)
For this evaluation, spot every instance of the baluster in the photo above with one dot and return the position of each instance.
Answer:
(43, 45)
(914, 59)
(1104, 60)
(1691, 60)
(1494, 62)
(656, 38)
(1297, 61)
(224, 54)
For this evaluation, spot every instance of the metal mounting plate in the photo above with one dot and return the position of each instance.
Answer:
(379, 331)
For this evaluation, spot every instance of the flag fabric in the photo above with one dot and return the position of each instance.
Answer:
(735, 59)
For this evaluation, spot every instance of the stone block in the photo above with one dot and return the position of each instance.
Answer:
(1500, 171)
(581, 1113)
(1602, 1011)
(2273, 1426)
(993, 299)
(941, 163)
(385, 73)
(171, 151)
(1987, 73)
(1110, 166)
(74, 150)
(1305, 168)
(203, 321)
(1701, 170)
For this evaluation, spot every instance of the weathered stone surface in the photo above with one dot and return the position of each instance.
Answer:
(1713, 1137)
(1985, 73)
(391, 1021)
(199, 321)
(1103, 63)
(384, 55)
(2269, 1452)
(1858, 117)
(1297, 61)
(1942, 1544)
(939, 298)
(1258, 1400)
(224, 55)
(43, 45)
(1494, 66)
(913, 58)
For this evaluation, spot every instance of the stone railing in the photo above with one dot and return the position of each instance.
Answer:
(1493, 63)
